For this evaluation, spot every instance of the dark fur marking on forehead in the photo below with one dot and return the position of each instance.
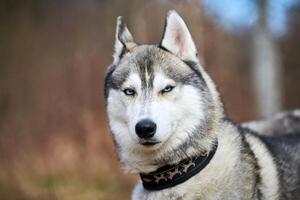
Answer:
(108, 80)
(194, 67)
(193, 78)
(145, 66)
(119, 78)
(114, 80)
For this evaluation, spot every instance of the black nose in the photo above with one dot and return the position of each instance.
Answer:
(145, 128)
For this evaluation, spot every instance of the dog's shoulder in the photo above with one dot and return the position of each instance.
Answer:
(285, 149)
(281, 145)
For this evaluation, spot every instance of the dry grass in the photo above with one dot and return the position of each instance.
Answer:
(65, 169)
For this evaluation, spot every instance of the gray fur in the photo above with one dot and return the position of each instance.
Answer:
(285, 149)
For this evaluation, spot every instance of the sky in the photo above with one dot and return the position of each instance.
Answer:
(238, 15)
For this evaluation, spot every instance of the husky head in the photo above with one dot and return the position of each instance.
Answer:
(162, 106)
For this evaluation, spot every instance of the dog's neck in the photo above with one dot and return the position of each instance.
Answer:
(172, 175)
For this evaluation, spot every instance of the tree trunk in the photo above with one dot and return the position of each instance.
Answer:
(266, 70)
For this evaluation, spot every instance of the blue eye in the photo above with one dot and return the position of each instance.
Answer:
(167, 89)
(129, 92)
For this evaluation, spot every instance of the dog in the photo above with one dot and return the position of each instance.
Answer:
(169, 126)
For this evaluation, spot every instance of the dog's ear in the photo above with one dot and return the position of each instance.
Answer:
(124, 40)
(177, 38)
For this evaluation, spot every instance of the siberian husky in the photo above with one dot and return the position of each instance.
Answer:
(169, 126)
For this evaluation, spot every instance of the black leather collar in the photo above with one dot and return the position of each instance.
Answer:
(171, 175)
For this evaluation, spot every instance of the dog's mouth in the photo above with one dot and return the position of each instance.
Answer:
(149, 143)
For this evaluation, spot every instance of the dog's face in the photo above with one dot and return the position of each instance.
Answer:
(157, 95)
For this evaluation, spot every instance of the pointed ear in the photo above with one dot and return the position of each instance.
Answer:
(124, 40)
(177, 38)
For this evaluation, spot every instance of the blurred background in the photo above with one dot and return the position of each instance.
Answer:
(54, 137)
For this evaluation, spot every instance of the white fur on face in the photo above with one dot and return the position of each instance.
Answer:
(120, 112)
(175, 113)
